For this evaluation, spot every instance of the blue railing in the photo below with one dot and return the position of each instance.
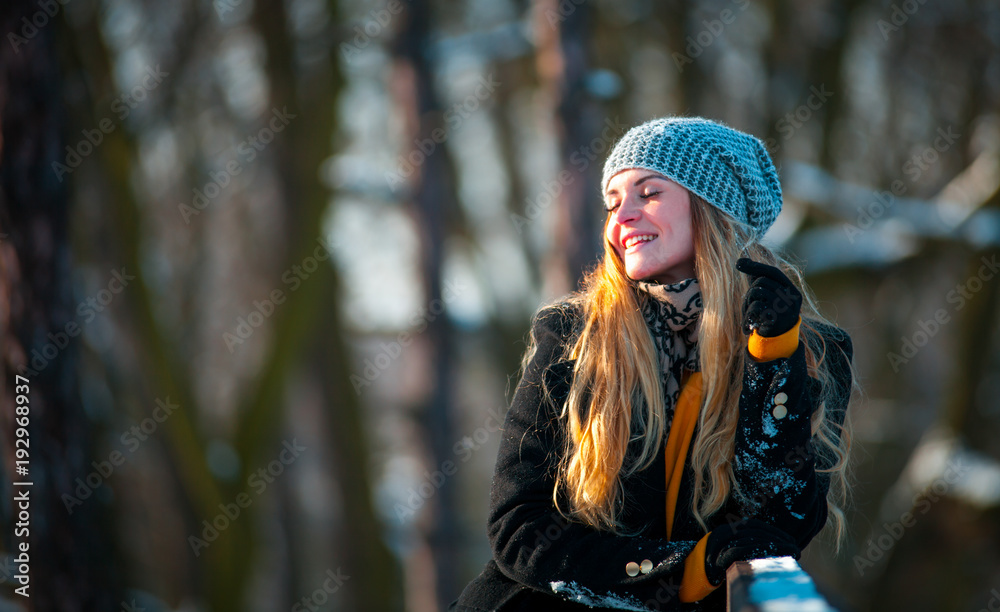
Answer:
(776, 584)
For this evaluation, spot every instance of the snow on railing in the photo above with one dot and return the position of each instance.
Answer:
(776, 584)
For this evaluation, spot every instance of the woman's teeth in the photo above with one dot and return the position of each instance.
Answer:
(634, 240)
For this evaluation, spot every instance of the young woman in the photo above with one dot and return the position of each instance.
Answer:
(684, 410)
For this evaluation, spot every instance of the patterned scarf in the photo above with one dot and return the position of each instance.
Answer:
(672, 313)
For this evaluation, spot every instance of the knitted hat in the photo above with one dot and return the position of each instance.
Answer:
(727, 168)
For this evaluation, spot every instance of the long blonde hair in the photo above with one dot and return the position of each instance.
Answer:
(616, 388)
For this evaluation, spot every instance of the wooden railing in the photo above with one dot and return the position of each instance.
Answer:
(776, 584)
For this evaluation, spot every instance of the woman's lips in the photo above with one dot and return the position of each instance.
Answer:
(637, 239)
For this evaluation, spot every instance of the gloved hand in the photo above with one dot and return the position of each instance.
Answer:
(772, 304)
(747, 539)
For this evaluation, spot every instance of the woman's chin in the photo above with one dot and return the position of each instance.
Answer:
(658, 273)
(645, 270)
(661, 278)
(643, 276)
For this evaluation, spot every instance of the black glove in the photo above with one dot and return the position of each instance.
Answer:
(772, 304)
(742, 541)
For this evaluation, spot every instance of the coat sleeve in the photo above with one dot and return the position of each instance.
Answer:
(775, 461)
(531, 542)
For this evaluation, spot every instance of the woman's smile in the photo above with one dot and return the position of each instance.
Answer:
(637, 240)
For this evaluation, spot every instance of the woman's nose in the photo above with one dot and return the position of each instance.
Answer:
(628, 210)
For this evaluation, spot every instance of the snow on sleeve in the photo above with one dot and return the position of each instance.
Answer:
(583, 595)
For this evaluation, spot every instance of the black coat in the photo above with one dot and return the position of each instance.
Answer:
(542, 562)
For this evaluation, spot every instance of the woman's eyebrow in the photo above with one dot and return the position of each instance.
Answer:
(645, 178)
(638, 182)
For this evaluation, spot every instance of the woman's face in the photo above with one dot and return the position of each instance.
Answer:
(649, 225)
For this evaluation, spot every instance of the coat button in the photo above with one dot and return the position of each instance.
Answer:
(646, 566)
(779, 411)
(781, 398)
(632, 568)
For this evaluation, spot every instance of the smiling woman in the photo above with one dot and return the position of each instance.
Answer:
(685, 409)
(649, 225)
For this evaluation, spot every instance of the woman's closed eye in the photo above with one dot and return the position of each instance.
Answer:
(611, 206)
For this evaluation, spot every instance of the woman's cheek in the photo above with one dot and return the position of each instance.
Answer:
(612, 237)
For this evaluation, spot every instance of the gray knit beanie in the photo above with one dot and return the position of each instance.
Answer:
(727, 168)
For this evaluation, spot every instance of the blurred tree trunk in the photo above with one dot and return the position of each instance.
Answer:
(562, 66)
(675, 17)
(311, 321)
(71, 558)
(220, 570)
(516, 76)
(972, 366)
(435, 210)
(376, 580)
(827, 69)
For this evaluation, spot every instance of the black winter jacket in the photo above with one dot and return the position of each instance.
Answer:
(542, 562)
